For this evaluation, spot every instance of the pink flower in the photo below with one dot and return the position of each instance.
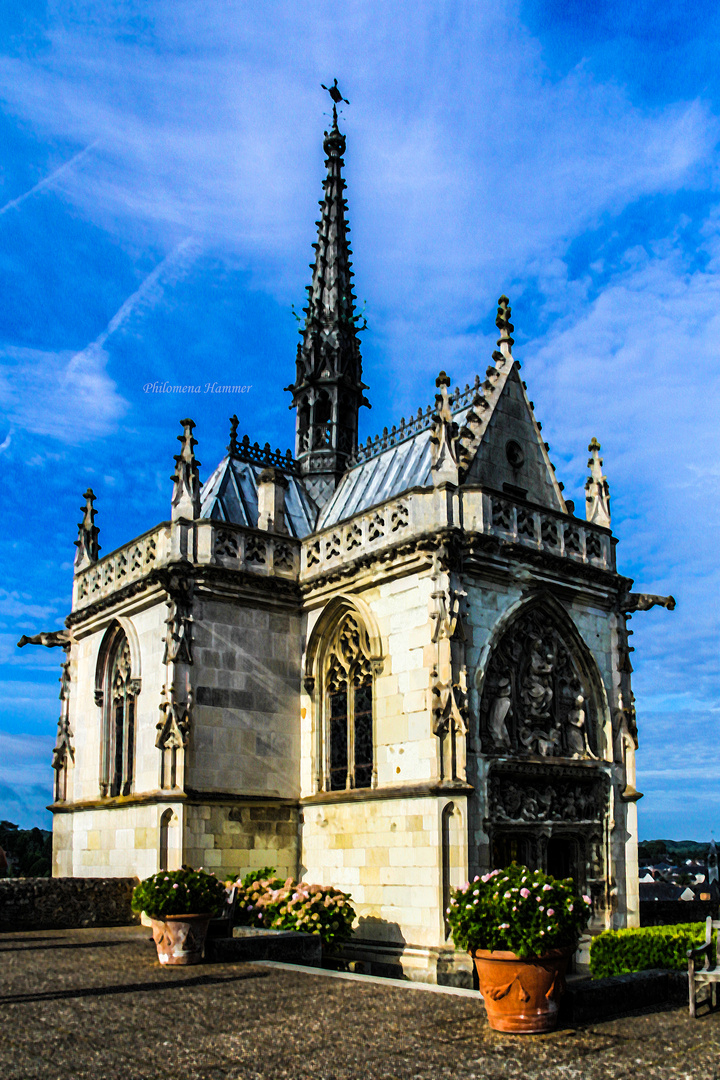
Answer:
(587, 899)
(546, 888)
(524, 893)
(551, 912)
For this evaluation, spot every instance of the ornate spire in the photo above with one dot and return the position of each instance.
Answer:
(186, 478)
(597, 492)
(505, 341)
(328, 387)
(87, 545)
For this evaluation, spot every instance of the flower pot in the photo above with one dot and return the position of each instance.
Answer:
(522, 996)
(180, 939)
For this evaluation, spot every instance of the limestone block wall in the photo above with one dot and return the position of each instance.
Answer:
(246, 678)
(124, 841)
(405, 747)
(231, 840)
(387, 853)
(148, 625)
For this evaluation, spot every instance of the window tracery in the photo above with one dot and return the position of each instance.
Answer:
(348, 688)
(118, 703)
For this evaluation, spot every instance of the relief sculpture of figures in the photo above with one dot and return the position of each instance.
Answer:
(534, 679)
(576, 732)
(500, 712)
(537, 688)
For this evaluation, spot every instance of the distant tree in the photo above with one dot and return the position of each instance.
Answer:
(652, 850)
(28, 851)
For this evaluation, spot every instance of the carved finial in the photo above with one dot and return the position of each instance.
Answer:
(186, 493)
(87, 545)
(233, 448)
(597, 492)
(505, 341)
(444, 436)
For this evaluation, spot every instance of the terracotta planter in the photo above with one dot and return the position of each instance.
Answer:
(180, 939)
(522, 996)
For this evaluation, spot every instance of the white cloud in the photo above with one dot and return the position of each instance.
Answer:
(70, 396)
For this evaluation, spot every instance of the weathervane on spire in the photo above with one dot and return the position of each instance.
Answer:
(336, 96)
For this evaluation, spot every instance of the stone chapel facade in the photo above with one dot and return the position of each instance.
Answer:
(385, 667)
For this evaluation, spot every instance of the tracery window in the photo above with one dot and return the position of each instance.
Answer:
(118, 705)
(349, 710)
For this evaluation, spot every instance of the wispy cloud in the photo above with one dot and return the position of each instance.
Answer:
(48, 181)
(70, 396)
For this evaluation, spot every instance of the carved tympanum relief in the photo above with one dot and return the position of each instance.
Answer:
(535, 701)
(519, 799)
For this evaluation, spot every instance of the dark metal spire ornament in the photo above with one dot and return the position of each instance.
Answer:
(233, 448)
(334, 92)
(328, 387)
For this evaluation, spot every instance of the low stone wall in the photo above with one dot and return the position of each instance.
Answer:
(671, 912)
(65, 903)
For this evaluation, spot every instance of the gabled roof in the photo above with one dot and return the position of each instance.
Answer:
(489, 416)
(231, 494)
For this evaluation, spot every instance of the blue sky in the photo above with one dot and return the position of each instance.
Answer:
(159, 179)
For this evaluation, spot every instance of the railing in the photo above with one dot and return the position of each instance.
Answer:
(203, 542)
(472, 510)
(120, 567)
(251, 550)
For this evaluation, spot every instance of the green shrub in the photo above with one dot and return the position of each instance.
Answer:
(619, 952)
(520, 910)
(267, 901)
(179, 892)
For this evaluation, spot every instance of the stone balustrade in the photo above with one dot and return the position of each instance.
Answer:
(121, 567)
(202, 542)
(254, 551)
(474, 510)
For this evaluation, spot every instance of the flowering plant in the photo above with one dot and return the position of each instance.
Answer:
(179, 892)
(519, 910)
(266, 900)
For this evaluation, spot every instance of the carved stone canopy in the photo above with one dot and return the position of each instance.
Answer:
(536, 701)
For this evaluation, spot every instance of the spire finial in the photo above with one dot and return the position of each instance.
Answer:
(87, 544)
(328, 387)
(186, 478)
(334, 92)
(597, 491)
(505, 341)
(233, 448)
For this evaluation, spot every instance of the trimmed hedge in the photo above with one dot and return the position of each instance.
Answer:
(620, 952)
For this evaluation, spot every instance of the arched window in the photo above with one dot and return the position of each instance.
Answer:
(117, 701)
(169, 853)
(348, 686)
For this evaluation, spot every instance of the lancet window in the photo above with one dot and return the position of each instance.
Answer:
(118, 704)
(349, 710)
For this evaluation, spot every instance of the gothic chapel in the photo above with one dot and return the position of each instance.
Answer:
(384, 667)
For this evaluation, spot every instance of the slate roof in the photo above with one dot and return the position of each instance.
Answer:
(384, 476)
(231, 494)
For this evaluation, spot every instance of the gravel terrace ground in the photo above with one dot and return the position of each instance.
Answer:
(96, 1003)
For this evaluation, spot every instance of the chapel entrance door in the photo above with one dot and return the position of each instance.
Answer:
(562, 857)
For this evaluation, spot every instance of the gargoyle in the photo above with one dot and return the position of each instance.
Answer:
(639, 601)
(50, 639)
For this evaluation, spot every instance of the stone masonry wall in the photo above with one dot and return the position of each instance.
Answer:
(231, 840)
(65, 903)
